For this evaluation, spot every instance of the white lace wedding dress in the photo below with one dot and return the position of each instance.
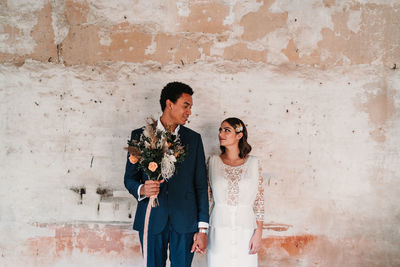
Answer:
(237, 202)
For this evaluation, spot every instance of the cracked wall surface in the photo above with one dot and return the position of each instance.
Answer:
(317, 83)
(318, 33)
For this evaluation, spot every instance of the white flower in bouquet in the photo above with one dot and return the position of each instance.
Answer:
(168, 166)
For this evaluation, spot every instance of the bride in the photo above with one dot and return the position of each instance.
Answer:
(236, 192)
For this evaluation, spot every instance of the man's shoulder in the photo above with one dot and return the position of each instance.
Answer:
(253, 160)
(189, 132)
(136, 132)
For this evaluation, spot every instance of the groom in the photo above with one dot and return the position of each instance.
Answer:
(181, 219)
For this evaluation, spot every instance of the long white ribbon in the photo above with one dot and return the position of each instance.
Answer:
(146, 228)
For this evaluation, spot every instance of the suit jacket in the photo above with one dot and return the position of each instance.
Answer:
(183, 199)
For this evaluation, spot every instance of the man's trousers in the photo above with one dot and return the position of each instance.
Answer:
(179, 248)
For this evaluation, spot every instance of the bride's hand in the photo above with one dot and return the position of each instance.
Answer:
(255, 242)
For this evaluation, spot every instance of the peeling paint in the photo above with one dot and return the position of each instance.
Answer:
(293, 245)
(59, 21)
(354, 21)
(260, 23)
(322, 34)
(183, 8)
(109, 242)
(205, 18)
(242, 52)
(378, 103)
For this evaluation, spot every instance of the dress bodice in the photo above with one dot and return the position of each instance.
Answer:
(237, 193)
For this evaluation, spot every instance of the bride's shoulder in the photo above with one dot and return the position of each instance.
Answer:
(212, 158)
(252, 159)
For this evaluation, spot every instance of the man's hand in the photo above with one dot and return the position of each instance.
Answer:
(200, 242)
(150, 188)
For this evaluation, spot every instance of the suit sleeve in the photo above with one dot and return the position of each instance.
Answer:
(201, 183)
(133, 176)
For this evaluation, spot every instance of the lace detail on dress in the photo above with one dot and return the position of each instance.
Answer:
(259, 202)
(210, 194)
(210, 197)
(233, 175)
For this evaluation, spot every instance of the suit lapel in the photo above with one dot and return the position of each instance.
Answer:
(182, 135)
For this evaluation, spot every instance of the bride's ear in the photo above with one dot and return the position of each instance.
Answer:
(239, 136)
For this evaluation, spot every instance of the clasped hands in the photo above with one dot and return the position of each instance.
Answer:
(200, 242)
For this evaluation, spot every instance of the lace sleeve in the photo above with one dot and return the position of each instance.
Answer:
(259, 202)
(210, 195)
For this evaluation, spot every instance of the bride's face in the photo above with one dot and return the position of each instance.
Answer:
(228, 136)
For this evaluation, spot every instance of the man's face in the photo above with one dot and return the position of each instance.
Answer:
(181, 110)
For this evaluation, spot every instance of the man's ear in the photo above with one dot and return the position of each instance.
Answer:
(168, 104)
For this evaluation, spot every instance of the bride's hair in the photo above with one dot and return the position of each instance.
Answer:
(240, 127)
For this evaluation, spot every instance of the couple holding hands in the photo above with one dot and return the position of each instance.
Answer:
(230, 186)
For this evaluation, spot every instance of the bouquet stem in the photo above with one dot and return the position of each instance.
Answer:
(155, 202)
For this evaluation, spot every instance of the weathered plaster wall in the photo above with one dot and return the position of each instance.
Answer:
(316, 81)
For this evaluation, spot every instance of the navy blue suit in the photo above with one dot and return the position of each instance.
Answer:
(183, 200)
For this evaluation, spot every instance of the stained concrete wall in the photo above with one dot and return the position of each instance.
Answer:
(317, 82)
